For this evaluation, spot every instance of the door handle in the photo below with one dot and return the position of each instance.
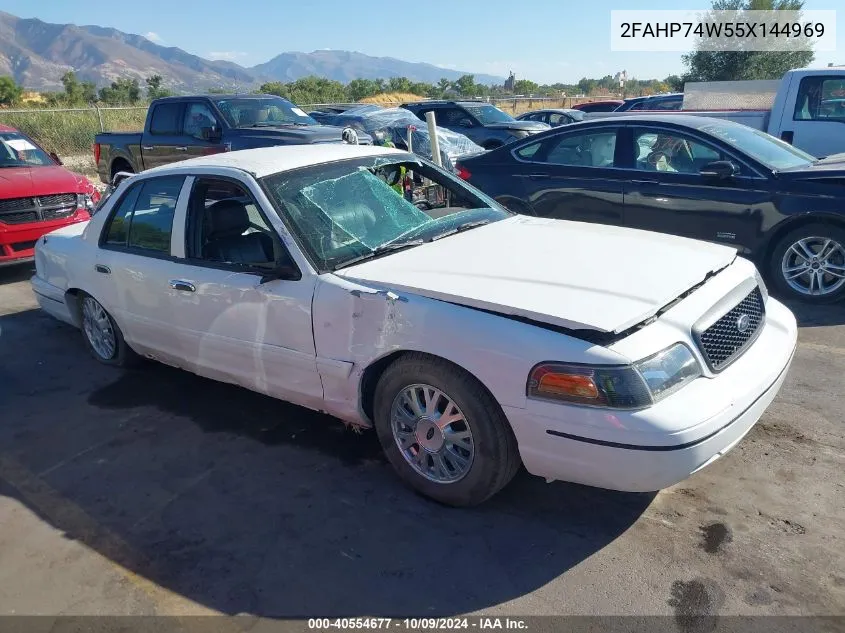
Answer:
(645, 182)
(538, 176)
(181, 284)
(147, 148)
(100, 268)
(181, 149)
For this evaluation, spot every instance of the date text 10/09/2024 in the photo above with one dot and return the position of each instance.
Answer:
(416, 624)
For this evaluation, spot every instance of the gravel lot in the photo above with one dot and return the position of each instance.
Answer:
(157, 492)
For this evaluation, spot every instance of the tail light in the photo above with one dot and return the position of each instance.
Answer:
(96, 152)
(463, 172)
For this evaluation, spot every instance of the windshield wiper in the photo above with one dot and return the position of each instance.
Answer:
(460, 228)
(380, 250)
(276, 123)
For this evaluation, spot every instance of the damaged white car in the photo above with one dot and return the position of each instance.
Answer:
(367, 283)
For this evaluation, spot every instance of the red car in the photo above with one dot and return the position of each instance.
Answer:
(37, 195)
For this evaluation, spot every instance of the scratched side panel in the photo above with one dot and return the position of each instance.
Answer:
(359, 324)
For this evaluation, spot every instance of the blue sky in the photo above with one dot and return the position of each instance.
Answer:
(542, 40)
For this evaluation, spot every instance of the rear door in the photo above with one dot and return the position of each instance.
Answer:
(133, 267)
(164, 143)
(572, 176)
(818, 120)
(665, 191)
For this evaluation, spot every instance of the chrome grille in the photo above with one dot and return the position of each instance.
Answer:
(726, 340)
(40, 209)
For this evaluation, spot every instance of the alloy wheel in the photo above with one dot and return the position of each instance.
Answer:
(814, 266)
(98, 328)
(432, 433)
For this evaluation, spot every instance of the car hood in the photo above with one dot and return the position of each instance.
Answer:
(529, 126)
(570, 274)
(25, 182)
(833, 165)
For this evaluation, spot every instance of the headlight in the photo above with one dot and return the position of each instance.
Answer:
(616, 387)
(85, 201)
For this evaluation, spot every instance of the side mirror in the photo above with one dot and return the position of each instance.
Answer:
(720, 169)
(285, 270)
(211, 134)
(56, 158)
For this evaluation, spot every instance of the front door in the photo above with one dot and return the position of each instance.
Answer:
(198, 115)
(572, 176)
(665, 191)
(237, 328)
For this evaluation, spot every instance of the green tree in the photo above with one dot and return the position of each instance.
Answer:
(10, 91)
(675, 83)
(443, 85)
(358, 89)
(731, 65)
(466, 85)
(77, 92)
(525, 86)
(154, 88)
(398, 84)
(123, 91)
(273, 88)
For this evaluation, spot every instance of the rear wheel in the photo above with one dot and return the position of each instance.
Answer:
(808, 264)
(102, 335)
(443, 432)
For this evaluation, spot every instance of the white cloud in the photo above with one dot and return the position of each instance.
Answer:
(226, 55)
(153, 37)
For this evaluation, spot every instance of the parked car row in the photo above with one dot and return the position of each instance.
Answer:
(698, 177)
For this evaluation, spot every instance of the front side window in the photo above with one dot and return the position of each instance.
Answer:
(197, 117)
(343, 211)
(16, 150)
(820, 99)
(658, 150)
(143, 219)
(226, 226)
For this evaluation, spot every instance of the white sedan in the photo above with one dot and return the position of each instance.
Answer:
(369, 284)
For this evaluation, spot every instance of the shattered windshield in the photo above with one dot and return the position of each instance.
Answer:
(488, 114)
(262, 112)
(348, 211)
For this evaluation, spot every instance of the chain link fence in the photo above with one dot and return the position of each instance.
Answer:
(70, 131)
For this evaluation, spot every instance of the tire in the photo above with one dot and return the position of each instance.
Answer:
(491, 456)
(95, 319)
(121, 165)
(785, 257)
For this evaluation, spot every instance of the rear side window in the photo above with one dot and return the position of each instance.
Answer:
(165, 119)
(143, 219)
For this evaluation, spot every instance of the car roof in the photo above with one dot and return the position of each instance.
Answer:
(558, 110)
(685, 120)
(264, 161)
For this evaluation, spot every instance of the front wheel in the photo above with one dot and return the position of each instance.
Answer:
(808, 264)
(442, 432)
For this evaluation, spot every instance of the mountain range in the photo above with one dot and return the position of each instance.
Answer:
(36, 54)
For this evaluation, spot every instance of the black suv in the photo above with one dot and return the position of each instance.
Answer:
(482, 122)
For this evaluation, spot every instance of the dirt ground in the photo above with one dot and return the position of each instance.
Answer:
(157, 492)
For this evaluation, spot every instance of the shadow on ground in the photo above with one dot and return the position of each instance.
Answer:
(19, 272)
(246, 504)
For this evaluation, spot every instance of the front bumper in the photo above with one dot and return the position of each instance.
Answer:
(657, 447)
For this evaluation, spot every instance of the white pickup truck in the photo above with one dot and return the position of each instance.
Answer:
(806, 107)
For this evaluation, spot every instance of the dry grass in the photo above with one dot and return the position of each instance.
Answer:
(392, 98)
